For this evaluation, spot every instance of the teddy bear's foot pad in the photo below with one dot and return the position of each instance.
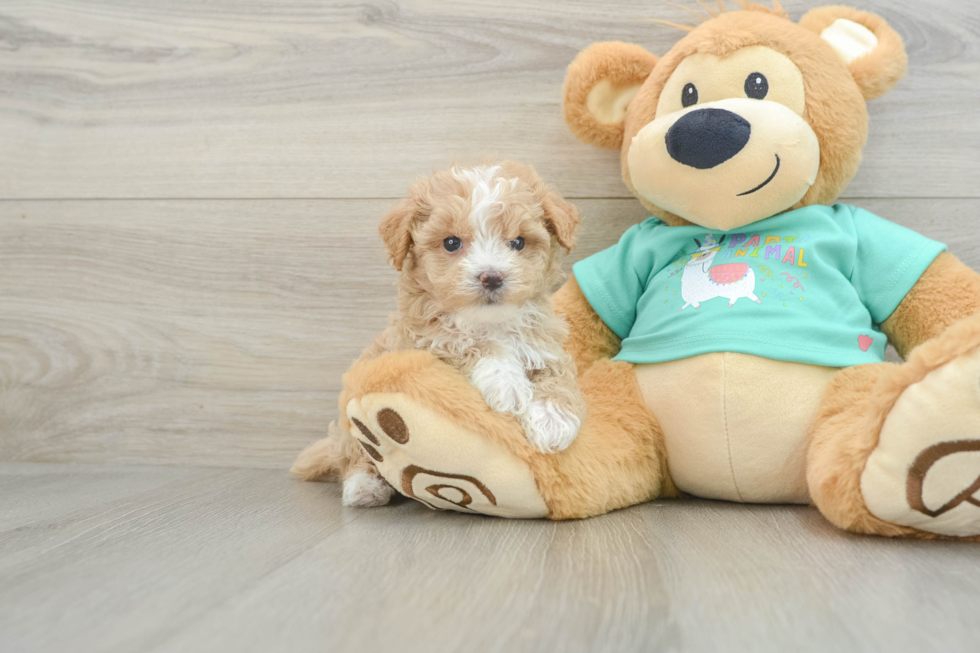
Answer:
(925, 471)
(431, 459)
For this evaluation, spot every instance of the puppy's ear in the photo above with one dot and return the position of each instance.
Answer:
(598, 88)
(872, 50)
(396, 230)
(561, 218)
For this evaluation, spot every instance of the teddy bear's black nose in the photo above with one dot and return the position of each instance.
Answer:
(707, 137)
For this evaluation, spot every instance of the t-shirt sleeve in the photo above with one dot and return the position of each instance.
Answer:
(889, 259)
(611, 283)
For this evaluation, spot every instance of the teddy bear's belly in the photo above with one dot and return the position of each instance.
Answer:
(736, 425)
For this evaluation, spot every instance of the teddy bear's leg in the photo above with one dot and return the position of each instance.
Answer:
(896, 448)
(434, 439)
(619, 457)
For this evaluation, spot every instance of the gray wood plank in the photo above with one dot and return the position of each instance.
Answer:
(304, 98)
(216, 332)
(35, 493)
(669, 576)
(123, 573)
(251, 560)
(445, 582)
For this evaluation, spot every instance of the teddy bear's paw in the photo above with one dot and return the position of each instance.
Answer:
(925, 471)
(366, 490)
(550, 427)
(503, 384)
(427, 456)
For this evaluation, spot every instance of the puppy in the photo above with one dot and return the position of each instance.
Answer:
(479, 251)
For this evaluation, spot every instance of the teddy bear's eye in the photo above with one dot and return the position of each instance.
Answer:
(756, 86)
(452, 243)
(689, 95)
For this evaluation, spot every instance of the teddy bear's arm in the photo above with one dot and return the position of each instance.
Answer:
(589, 339)
(947, 292)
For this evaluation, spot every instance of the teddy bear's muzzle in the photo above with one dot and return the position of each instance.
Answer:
(726, 163)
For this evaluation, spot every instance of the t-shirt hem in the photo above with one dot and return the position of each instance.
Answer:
(663, 352)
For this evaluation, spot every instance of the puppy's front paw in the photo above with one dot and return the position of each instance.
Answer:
(503, 384)
(364, 490)
(550, 427)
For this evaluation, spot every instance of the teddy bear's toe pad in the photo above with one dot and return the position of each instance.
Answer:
(431, 459)
(925, 471)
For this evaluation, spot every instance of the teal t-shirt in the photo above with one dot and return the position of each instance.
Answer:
(809, 286)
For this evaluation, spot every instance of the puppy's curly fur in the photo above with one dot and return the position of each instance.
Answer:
(479, 251)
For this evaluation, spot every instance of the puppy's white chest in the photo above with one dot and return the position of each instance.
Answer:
(512, 347)
(512, 338)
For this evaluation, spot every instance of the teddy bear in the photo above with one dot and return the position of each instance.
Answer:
(731, 346)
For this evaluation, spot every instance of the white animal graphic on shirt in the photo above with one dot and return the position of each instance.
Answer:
(701, 282)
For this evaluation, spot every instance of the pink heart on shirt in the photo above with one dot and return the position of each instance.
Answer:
(864, 342)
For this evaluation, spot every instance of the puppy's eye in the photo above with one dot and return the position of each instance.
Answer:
(452, 244)
(689, 96)
(756, 86)
(517, 243)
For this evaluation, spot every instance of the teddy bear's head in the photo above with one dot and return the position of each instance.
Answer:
(749, 115)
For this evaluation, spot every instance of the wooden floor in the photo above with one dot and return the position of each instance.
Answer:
(189, 200)
(126, 558)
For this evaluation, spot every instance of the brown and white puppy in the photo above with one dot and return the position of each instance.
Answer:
(479, 251)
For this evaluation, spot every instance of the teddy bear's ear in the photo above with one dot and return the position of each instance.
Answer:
(599, 86)
(872, 50)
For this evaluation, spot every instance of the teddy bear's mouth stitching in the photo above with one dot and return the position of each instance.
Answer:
(768, 179)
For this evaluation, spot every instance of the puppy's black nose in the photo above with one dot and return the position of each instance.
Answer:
(707, 137)
(492, 280)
